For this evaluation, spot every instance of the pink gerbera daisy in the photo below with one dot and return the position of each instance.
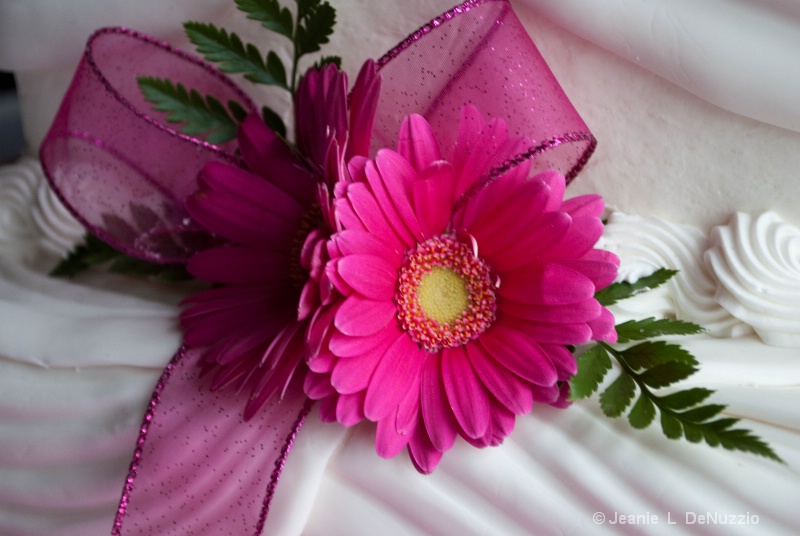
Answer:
(451, 323)
(267, 311)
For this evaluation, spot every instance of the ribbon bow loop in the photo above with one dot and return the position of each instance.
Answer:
(115, 163)
(479, 54)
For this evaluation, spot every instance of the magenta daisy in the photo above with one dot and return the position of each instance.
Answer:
(269, 310)
(452, 323)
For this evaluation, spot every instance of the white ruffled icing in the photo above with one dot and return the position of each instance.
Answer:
(757, 262)
(35, 228)
(646, 244)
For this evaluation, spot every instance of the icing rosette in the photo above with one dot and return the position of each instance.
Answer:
(34, 223)
(649, 243)
(756, 260)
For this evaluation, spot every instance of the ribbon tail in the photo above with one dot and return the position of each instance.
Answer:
(197, 467)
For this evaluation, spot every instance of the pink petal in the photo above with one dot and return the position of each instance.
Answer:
(369, 212)
(433, 199)
(397, 178)
(563, 397)
(317, 386)
(555, 333)
(309, 300)
(235, 265)
(241, 221)
(562, 359)
(466, 394)
(313, 248)
(239, 346)
(327, 409)
(277, 380)
(356, 168)
(550, 284)
(364, 99)
(334, 168)
(346, 216)
(352, 242)
(353, 374)
(520, 354)
(584, 206)
(436, 412)
(322, 362)
(572, 313)
(483, 210)
(241, 184)
(361, 317)
(327, 291)
(368, 275)
(395, 375)
(235, 375)
(479, 147)
(408, 410)
(510, 390)
(603, 327)
(229, 298)
(581, 237)
(557, 184)
(289, 341)
(545, 395)
(319, 329)
(423, 454)
(529, 244)
(417, 142)
(501, 425)
(388, 443)
(350, 409)
(213, 315)
(321, 111)
(381, 180)
(598, 265)
(347, 346)
(335, 279)
(269, 156)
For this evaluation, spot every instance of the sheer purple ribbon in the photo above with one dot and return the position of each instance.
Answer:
(479, 53)
(115, 162)
(197, 467)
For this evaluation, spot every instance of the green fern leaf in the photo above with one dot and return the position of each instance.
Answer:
(315, 25)
(618, 396)
(593, 365)
(203, 117)
(619, 291)
(638, 330)
(649, 354)
(233, 56)
(270, 14)
(642, 413)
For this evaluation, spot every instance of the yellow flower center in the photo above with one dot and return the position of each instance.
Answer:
(445, 296)
(442, 294)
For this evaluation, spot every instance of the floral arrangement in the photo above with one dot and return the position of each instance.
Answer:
(438, 285)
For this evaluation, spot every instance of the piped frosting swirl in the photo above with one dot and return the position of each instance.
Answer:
(756, 259)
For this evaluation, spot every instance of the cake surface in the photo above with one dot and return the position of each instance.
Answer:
(78, 359)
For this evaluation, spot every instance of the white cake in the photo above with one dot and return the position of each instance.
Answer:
(700, 176)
